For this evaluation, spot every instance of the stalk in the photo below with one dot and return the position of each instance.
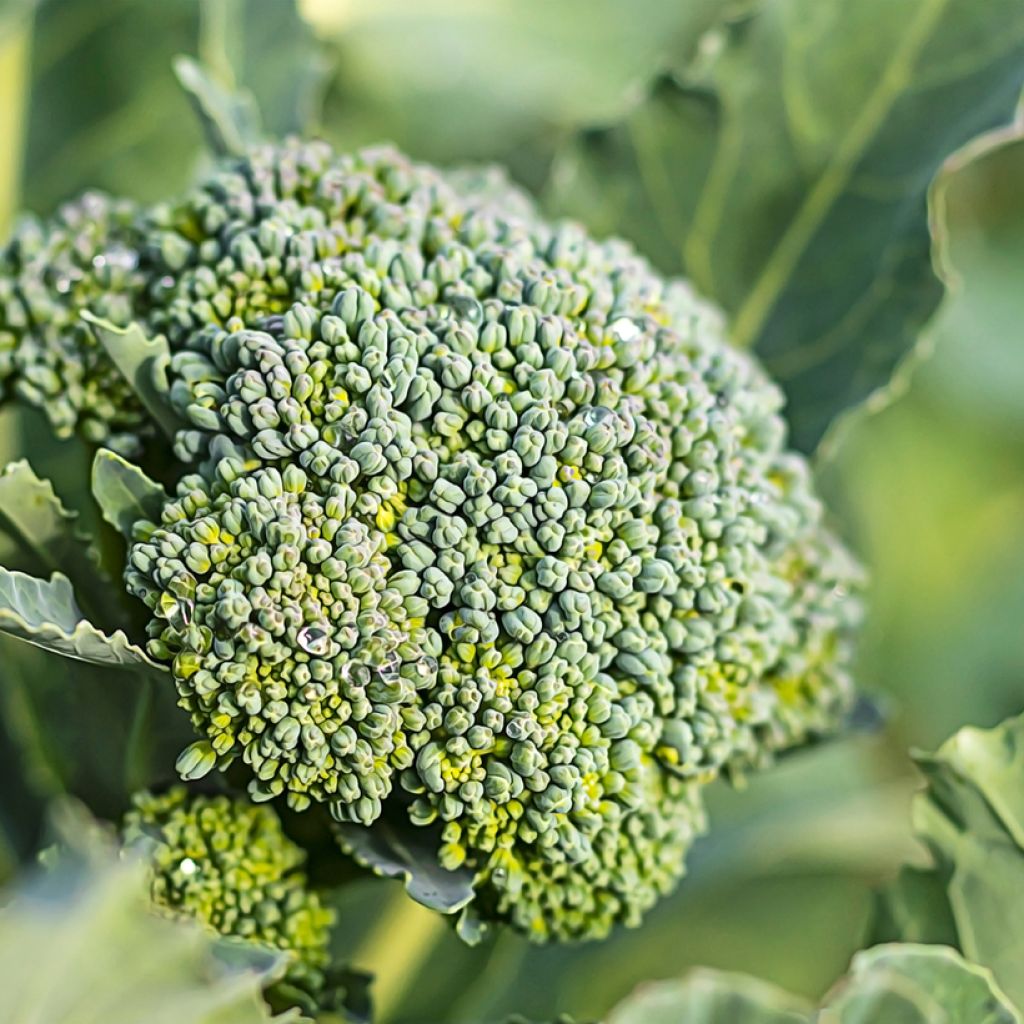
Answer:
(15, 40)
(396, 949)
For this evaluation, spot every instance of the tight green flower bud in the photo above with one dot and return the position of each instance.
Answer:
(85, 258)
(229, 866)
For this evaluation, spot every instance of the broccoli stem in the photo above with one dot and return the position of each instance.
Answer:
(15, 41)
(396, 948)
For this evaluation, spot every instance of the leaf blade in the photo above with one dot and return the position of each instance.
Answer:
(44, 613)
(803, 209)
(143, 362)
(124, 493)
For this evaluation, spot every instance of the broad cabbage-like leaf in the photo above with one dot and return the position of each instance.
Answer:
(45, 534)
(801, 208)
(901, 983)
(972, 818)
(44, 613)
(402, 853)
(142, 361)
(911, 984)
(78, 943)
(710, 997)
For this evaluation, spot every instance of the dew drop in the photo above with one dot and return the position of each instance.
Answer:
(426, 667)
(596, 414)
(314, 640)
(468, 308)
(624, 329)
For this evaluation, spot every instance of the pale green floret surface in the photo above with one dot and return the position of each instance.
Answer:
(227, 864)
(489, 528)
(83, 258)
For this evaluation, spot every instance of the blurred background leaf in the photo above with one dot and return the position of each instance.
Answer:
(461, 80)
(786, 174)
(932, 489)
(78, 943)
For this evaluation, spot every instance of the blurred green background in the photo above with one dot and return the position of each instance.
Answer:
(930, 490)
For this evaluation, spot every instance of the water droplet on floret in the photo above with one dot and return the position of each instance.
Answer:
(467, 308)
(314, 640)
(624, 329)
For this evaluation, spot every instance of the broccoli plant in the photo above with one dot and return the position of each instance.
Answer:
(477, 526)
(434, 537)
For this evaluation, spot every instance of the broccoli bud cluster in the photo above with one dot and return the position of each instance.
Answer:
(85, 258)
(487, 525)
(228, 865)
(483, 524)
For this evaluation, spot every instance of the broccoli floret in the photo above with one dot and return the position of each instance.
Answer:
(228, 865)
(291, 222)
(489, 524)
(84, 258)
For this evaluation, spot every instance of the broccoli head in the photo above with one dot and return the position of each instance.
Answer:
(85, 258)
(228, 865)
(487, 527)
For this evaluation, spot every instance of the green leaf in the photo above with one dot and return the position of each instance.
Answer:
(909, 984)
(43, 529)
(710, 997)
(267, 48)
(229, 117)
(124, 493)
(143, 362)
(802, 207)
(44, 613)
(915, 908)
(501, 71)
(972, 818)
(410, 855)
(979, 208)
(106, 111)
(78, 943)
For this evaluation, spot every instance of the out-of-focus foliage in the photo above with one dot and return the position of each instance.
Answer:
(972, 819)
(897, 984)
(507, 74)
(799, 206)
(932, 488)
(79, 945)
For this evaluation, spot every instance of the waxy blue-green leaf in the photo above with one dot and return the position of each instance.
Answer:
(44, 532)
(915, 908)
(710, 997)
(500, 72)
(911, 984)
(124, 493)
(405, 854)
(787, 176)
(972, 818)
(44, 613)
(142, 361)
(979, 209)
